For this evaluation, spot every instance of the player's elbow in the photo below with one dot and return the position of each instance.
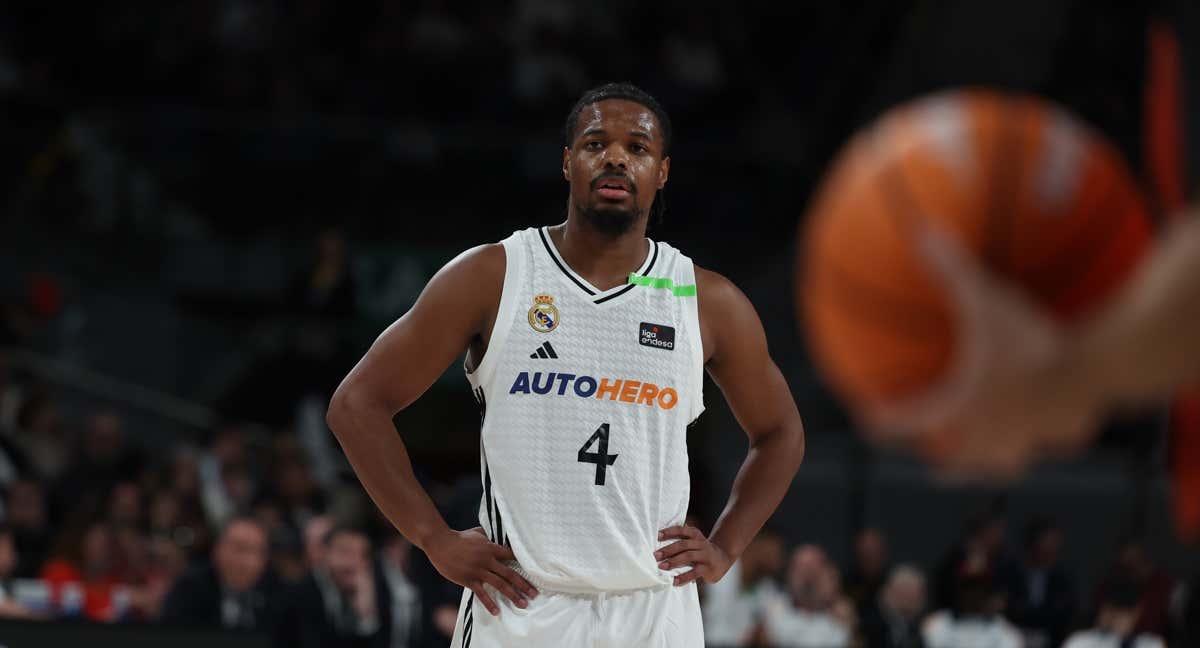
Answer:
(787, 440)
(348, 401)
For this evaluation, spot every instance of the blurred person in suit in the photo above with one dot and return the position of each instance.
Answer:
(893, 618)
(345, 604)
(1041, 592)
(395, 560)
(233, 589)
(870, 567)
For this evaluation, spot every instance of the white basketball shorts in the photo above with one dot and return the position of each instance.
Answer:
(661, 617)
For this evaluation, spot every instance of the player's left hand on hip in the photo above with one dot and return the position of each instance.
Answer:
(708, 561)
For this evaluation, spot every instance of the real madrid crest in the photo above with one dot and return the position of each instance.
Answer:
(543, 316)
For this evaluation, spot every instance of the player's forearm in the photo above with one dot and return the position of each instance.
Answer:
(759, 487)
(380, 460)
(1148, 342)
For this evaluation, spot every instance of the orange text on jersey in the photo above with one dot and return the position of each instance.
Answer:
(623, 390)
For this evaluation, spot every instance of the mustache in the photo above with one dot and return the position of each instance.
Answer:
(605, 176)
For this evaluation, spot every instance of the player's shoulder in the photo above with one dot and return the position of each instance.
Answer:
(718, 295)
(474, 277)
(481, 259)
(714, 286)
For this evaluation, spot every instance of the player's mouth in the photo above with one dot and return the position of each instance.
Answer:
(613, 187)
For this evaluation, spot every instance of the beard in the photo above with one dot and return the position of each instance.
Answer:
(610, 221)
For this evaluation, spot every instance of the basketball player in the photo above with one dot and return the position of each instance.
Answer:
(1023, 389)
(586, 347)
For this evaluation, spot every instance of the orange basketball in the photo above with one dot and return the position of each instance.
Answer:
(1032, 192)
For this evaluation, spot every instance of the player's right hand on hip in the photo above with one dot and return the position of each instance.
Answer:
(469, 559)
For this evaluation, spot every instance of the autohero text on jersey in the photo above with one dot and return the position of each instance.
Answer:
(620, 390)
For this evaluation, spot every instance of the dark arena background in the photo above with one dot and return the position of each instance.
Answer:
(210, 208)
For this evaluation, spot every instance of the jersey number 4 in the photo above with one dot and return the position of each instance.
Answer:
(601, 457)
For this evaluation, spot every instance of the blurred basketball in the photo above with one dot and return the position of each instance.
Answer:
(1031, 191)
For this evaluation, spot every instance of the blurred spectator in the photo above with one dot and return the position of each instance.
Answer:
(41, 439)
(104, 458)
(1135, 566)
(870, 567)
(293, 485)
(287, 555)
(345, 604)
(84, 561)
(1041, 594)
(975, 621)
(131, 560)
(125, 505)
(893, 619)
(231, 591)
(9, 607)
(26, 513)
(314, 541)
(732, 607)
(808, 615)
(980, 551)
(167, 561)
(225, 485)
(1116, 622)
(395, 559)
(184, 474)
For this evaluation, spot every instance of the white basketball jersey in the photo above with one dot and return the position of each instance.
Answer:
(587, 395)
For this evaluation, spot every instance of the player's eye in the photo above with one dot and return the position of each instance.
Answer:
(638, 148)
(592, 146)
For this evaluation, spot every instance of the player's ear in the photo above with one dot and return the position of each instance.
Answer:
(567, 163)
(664, 170)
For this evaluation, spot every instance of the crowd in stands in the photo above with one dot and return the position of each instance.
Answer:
(239, 533)
(979, 595)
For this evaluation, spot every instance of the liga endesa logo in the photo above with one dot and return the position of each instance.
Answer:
(623, 390)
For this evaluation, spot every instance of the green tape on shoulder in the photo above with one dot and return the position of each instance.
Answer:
(662, 282)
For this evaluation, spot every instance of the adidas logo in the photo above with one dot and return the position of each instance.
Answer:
(544, 351)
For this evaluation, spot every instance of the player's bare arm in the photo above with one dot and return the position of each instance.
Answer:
(399, 367)
(736, 357)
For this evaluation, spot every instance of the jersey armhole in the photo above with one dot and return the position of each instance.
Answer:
(482, 372)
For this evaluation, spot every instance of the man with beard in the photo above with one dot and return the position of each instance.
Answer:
(586, 348)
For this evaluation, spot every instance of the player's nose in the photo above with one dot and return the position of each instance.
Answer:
(615, 157)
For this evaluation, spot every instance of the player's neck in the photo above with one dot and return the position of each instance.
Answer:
(603, 259)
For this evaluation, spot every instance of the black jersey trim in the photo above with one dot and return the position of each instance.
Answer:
(468, 621)
(643, 271)
(582, 286)
(565, 271)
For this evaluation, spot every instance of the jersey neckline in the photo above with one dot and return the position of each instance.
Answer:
(596, 295)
